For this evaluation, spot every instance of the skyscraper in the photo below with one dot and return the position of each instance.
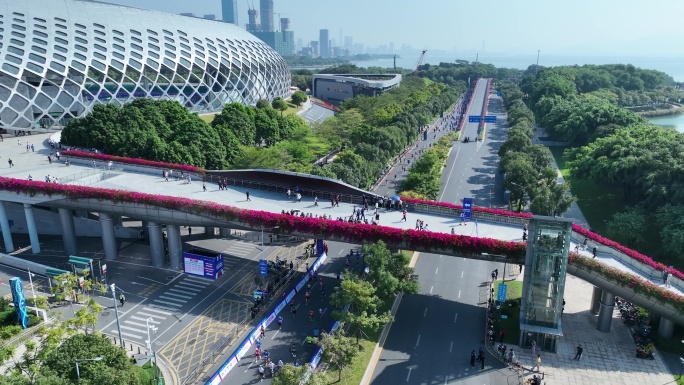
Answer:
(266, 7)
(229, 11)
(324, 40)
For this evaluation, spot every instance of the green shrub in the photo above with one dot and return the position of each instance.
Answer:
(7, 332)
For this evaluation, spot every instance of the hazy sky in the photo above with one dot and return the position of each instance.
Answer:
(594, 27)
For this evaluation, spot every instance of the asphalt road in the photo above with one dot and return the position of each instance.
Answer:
(435, 331)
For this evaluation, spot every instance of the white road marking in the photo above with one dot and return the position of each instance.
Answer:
(144, 319)
(425, 313)
(451, 347)
(418, 342)
(461, 274)
(409, 375)
(178, 304)
(436, 270)
(456, 317)
(446, 185)
(156, 311)
(116, 333)
(431, 287)
(459, 294)
(153, 280)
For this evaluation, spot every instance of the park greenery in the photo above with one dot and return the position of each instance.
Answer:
(424, 177)
(528, 168)
(608, 145)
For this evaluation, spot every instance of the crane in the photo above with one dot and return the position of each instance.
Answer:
(420, 60)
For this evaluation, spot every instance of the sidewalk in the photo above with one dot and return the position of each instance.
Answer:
(132, 349)
(608, 358)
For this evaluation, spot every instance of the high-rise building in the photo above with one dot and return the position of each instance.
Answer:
(188, 14)
(252, 25)
(324, 42)
(229, 11)
(314, 48)
(210, 16)
(266, 7)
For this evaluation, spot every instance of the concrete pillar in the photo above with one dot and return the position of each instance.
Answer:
(210, 231)
(225, 233)
(665, 328)
(5, 228)
(175, 246)
(156, 244)
(111, 250)
(66, 218)
(595, 301)
(31, 225)
(605, 312)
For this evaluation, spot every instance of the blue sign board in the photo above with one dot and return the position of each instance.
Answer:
(263, 267)
(490, 119)
(203, 263)
(467, 207)
(441, 114)
(19, 301)
(474, 118)
(501, 294)
(498, 93)
(425, 135)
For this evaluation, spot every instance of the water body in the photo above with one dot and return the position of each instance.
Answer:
(673, 66)
(676, 122)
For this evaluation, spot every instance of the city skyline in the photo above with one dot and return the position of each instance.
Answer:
(609, 27)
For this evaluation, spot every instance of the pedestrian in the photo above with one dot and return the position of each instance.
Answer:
(496, 273)
(311, 315)
(594, 251)
(204, 186)
(462, 219)
(257, 355)
(472, 358)
(261, 373)
(482, 360)
(453, 231)
(320, 312)
(293, 309)
(247, 193)
(11, 164)
(189, 230)
(665, 275)
(122, 299)
(578, 355)
(493, 276)
(502, 333)
(306, 296)
(533, 345)
(263, 331)
(316, 201)
(563, 307)
(299, 197)
(280, 322)
(584, 244)
(537, 363)
(289, 194)
(403, 218)
(271, 366)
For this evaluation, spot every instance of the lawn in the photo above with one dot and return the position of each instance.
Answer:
(148, 374)
(208, 118)
(291, 109)
(354, 373)
(510, 309)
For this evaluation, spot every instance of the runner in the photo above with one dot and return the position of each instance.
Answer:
(308, 293)
(311, 315)
(280, 322)
(261, 373)
(257, 355)
(320, 313)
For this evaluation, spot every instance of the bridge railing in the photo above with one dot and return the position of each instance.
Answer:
(456, 213)
(323, 196)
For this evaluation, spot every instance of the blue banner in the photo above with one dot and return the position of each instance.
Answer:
(474, 118)
(19, 301)
(490, 119)
(501, 293)
(263, 267)
(467, 207)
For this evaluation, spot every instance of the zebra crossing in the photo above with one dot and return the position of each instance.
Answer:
(161, 308)
(240, 249)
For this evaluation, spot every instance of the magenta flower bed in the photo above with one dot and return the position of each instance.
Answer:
(639, 285)
(479, 209)
(136, 161)
(577, 228)
(358, 233)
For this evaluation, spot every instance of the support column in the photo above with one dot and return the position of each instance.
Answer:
(5, 228)
(175, 246)
(111, 250)
(665, 328)
(605, 312)
(31, 225)
(66, 218)
(156, 244)
(225, 233)
(210, 231)
(595, 301)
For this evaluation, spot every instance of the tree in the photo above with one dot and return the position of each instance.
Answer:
(86, 317)
(115, 368)
(289, 375)
(263, 104)
(279, 104)
(627, 227)
(389, 272)
(551, 200)
(267, 130)
(671, 219)
(362, 303)
(299, 97)
(236, 118)
(339, 350)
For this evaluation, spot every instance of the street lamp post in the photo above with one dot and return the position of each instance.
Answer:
(116, 311)
(35, 300)
(149, 343)
(537, 59)
(78, 373)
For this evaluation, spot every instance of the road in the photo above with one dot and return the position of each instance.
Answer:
(435, 331)
(295, 330)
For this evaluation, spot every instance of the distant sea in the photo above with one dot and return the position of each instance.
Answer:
(673, 66)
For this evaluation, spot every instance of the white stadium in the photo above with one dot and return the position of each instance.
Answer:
(59, 58)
